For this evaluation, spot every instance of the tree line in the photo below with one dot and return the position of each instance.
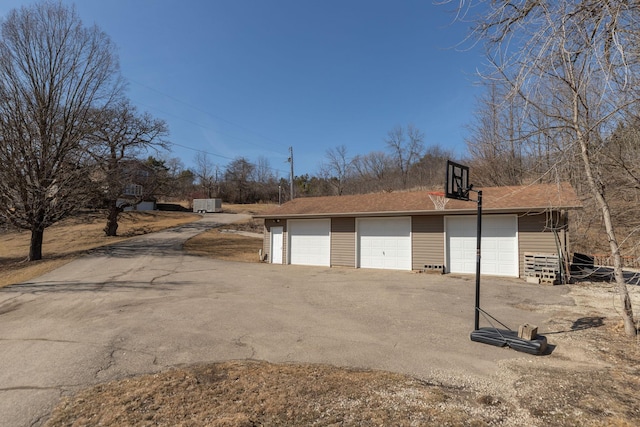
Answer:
(405, 164)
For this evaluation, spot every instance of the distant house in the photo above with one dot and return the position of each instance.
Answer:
(133, 198)
(136, 184)
(405, 231)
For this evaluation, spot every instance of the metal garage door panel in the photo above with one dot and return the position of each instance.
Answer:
(499, 245)
(500, 257)
(310, 242)
(385, 243)
(461, 245)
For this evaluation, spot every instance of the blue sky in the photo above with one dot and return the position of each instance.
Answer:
(253, 77)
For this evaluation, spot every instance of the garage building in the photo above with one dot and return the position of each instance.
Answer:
(405, 230)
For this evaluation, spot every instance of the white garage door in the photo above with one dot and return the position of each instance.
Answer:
(384, 243)
(309, 241)
(499, 245)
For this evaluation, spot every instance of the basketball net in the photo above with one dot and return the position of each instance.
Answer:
(438, 199)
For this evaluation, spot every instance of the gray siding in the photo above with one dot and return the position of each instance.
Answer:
(535, 236)
(343, 242)
(285, 243)
(266, 239)
(427, 242)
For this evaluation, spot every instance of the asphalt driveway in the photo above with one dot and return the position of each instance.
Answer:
(144, 306)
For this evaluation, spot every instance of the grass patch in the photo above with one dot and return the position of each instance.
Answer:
(249, 209)
(250, 393)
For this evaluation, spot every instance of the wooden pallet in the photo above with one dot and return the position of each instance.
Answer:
(542, 268)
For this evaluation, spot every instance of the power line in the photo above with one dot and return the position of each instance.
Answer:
(207, 128)
(197, 150)
(200, 125)
(196, 108)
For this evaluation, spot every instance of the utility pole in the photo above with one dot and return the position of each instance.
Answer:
(291, 174)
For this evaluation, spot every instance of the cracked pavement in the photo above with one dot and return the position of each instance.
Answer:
(143, 306)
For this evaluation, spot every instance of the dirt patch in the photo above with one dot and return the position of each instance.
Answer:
(72, 237)
(217, 243)
(586, 384)
(251, 226)
(590, 378)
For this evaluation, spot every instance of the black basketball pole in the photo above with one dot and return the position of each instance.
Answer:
(478, 244)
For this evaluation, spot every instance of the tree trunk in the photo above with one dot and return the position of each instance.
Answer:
(623, 292)
(111, 229)
(35, 248)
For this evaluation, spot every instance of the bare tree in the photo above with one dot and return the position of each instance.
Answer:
(337, 168)
(120, 137)
(372, 170)
(239, 175)
(184, 184)
(179, 185)
(53, 73)
(266, 181)
(406, 149)
(621, 166)
(494, 144)
(263, 172)
(175, 166)
(207, 174)
(431, 167)
(577, 66)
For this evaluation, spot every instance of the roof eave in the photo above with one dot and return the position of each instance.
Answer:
(533, 209)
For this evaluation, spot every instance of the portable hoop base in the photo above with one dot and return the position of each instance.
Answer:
(505, 337)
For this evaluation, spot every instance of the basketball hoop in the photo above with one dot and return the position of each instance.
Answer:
(438, 199)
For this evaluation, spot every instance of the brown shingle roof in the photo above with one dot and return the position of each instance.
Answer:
(534, 197)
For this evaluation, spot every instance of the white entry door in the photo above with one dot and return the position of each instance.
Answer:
(499, 245)
(276, 245)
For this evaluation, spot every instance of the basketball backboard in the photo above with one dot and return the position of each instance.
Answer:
(457, 181)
